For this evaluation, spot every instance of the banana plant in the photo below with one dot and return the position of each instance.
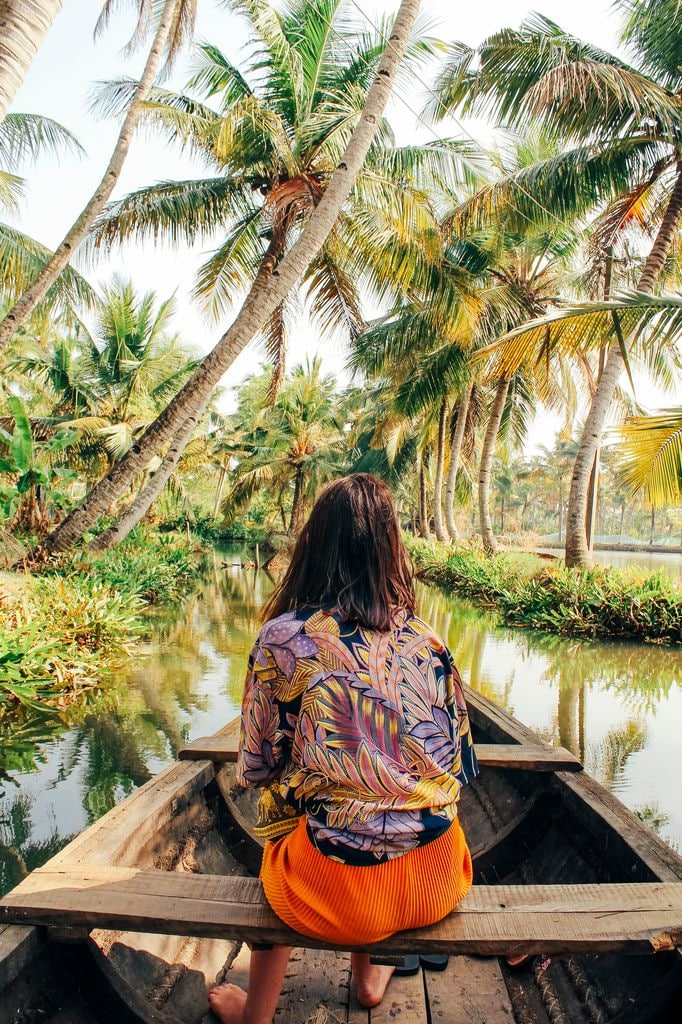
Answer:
(30, 488)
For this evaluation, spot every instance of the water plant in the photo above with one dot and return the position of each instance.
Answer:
(592, 602)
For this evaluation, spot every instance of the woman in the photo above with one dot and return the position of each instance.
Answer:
(354, 720)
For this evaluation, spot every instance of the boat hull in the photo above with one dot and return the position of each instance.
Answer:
(523, 827)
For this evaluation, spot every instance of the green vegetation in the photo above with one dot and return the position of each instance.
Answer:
(592, 602)
(65, 626)
(535, 276)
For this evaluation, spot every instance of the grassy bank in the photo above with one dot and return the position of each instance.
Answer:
(595, 602)
(62, 629)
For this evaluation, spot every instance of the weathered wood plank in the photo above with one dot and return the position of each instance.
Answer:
(469, 990)
(125, 829)
(493, 920)
(18, 945)
(528, 757)
(315, 989)
(404, 1002)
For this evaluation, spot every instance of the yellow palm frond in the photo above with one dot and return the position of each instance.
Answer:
(650, 456)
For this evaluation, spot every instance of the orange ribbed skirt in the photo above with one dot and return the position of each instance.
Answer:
(353, 905)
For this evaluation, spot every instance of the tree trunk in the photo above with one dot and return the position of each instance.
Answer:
(486, 465)
(455, 450)
(219, 491)
(36, 291)
(652, 527)
(147, 495)
(592, 501)
(295, 523)
(561, 512)
(438, 482)
(577, 553)
(265, 295)
(502, 515)
(424, 529)
(622, 517)
(23, 27)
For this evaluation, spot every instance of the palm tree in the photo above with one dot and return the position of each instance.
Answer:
(653, 324)
(110, 385)
(292, 446)
(272, 284)
(23, 27)
(25, 137)
(175, 22)
(623, 123)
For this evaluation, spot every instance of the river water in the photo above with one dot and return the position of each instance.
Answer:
(618, 706)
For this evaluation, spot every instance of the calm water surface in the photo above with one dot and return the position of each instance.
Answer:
(646, 561)
(617, 706)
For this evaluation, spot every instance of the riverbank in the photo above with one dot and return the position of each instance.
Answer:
(64, 627)
(594, 602)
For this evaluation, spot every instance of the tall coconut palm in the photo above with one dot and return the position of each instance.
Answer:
(23, 27)
(623, 123)
(175, 22)
(295, 445)
(270, 287)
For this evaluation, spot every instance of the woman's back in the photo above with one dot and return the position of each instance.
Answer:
(366, 731)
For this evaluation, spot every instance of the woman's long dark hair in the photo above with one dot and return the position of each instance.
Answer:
(349, 555)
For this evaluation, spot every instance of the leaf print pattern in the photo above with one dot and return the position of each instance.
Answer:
(367, 733)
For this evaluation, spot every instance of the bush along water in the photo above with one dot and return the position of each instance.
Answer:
(594, 602)
(64, 627)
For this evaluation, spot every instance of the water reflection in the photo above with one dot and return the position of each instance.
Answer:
(617, 706)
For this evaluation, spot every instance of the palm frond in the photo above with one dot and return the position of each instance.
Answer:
(22, 258)
(653, 31)
(332, 294)
(27, 136)
(563, 187)
(175, 212)
(232, 267)
(654, 319)
(649, 453)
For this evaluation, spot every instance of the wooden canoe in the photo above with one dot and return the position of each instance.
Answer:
(527, 823)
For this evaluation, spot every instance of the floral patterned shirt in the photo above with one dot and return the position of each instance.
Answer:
(367, 733)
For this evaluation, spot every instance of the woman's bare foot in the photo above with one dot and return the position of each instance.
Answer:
(371, 986)
(227, 1002)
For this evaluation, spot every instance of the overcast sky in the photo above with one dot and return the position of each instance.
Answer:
(59, 83)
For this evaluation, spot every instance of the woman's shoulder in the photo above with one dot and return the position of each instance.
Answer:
(414, 626)
(304, 620)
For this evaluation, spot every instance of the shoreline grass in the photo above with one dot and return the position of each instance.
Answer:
(67, 625)
(597, 603)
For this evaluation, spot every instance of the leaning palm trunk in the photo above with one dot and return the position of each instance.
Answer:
(36, 291)
(23, 26)
(486, 465)
(265, 295)
(148, 493)
(577, 553)
(438, 482)
(455, 450)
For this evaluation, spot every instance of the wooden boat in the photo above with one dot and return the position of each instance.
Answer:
(531, 817)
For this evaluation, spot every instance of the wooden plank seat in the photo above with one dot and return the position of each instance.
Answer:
(532, 757)
(492, 920)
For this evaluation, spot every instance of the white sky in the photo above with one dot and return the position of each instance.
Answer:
(69, 62)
